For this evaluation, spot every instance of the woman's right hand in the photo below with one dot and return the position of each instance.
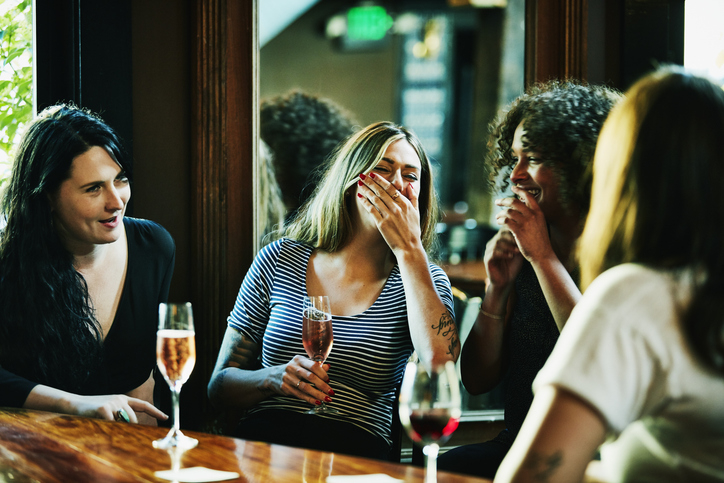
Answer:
(107, 407)
(503, 259)
(305, 379)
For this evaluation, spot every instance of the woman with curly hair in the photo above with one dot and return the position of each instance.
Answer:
(641, 362)
(546, 140)
(362, 239)
(80, 282)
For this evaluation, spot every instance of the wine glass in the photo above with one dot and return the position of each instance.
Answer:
(430, 408)
(317, 336)
(176, 356)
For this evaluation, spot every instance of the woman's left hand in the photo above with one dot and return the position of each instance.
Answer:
(524, 218)
(396, 213)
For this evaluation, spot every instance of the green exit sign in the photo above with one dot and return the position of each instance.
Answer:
(368, 23)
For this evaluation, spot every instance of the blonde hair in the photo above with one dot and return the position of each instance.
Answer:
(325, 220)
(656, 200)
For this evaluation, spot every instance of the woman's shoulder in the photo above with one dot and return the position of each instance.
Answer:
(630, 279)
(284, 248)
(147, 233)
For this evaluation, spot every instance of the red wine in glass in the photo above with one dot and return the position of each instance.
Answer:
(430, 408)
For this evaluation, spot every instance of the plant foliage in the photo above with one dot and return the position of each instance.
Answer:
(16, 76)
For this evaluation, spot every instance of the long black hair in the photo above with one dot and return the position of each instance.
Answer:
(48, 330)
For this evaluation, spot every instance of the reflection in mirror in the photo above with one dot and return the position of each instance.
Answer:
(444, 71)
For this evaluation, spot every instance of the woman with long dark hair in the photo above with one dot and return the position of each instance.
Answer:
(641, 360)
(80, 282)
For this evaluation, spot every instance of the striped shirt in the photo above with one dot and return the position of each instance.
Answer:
(370, 349)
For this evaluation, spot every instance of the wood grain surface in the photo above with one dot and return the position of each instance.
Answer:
(48, 447)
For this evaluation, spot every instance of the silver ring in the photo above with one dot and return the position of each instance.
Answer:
(298, 383)
(397, 193)
(122, 415)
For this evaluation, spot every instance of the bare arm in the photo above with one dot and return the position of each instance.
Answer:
(432, 328)
(45, 398)
(238, 383)
(527, 223)
(484, 357)
(558, 439)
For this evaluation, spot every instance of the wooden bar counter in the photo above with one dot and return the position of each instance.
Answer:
(48, 447)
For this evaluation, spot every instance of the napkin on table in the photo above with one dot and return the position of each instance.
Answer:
(196, 474)
(376, 478)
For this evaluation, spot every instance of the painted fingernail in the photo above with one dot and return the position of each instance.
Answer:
(362, 176)
(318, 402)
(331, 392)
(360, 183)
(372, 175)
(327, 398)
(359, 196)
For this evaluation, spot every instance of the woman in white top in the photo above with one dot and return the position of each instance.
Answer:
(641, 362)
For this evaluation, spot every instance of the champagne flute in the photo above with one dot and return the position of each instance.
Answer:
(176, 356)
(430, 409)
(317, 336)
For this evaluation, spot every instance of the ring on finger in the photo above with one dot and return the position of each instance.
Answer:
(122, 415)
(397, 193)
(298, 383)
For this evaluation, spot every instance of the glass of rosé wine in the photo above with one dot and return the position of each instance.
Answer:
(430, 408)
(317, 336)
(176, 356)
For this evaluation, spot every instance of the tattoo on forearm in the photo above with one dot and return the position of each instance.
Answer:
(446, 328)
(543, 467)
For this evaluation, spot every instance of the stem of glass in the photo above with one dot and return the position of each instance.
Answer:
(430, 451)
(175, 394)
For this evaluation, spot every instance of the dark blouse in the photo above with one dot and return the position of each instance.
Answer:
(531, 337)
(129, 349)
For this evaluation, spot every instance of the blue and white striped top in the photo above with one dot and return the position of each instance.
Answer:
(370, 349)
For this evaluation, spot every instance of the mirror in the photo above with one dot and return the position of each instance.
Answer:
(443, 71)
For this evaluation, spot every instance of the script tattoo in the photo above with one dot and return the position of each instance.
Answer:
(542, 466)
(446, 328)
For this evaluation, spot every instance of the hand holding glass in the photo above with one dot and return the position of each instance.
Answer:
(430, 409)
(176, 356)
(317, 336)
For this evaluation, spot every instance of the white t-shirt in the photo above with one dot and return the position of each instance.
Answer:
(624, 352)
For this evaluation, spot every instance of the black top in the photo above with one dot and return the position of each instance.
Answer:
(531, 337)
(129, 349)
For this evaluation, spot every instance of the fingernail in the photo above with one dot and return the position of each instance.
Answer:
(359, 196)
(362, 176)
(318, 402)
(331, 392)
(372, 175)
(327, 398)
(360, 183)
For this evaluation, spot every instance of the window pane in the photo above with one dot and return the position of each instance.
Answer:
(16, 76)
(704, 38)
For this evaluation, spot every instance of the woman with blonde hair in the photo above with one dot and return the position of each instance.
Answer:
(642, 358)
(363, 240)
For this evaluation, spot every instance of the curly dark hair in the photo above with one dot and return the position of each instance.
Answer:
(48, 330)
(562, 122)
(301, 130)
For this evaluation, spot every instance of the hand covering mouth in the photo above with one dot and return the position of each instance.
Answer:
(534, 192)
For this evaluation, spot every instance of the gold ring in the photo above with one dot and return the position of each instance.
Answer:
(298, 383)
(122, 415)
(397, 193)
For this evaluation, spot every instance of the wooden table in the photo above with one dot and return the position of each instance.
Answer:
(49, 447)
